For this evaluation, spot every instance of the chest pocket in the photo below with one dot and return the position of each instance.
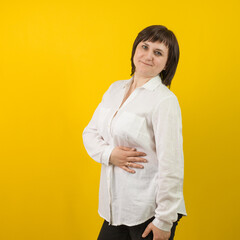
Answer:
(130, 126)
(102, 119)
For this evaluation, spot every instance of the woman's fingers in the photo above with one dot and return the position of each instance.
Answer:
(136, 159)
(127, 169)
(135, 154)
(134, 165)
(127, 148)
(126, 158)
(131, 152)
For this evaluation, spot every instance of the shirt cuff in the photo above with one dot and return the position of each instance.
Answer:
(106, 154)
(163, 225)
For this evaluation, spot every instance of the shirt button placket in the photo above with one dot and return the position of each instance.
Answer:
(110, 123)
(109, 192)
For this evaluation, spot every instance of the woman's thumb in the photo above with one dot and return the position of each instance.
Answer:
(146, 232)
(127, 148)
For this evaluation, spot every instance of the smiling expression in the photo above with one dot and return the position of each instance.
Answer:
(150, 58)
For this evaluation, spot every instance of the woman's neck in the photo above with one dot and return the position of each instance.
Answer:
(138, 81)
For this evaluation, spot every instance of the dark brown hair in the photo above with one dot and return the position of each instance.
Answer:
(163, 35)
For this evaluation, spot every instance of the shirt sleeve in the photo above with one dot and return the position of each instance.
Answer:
(93, 142)
(167, 126)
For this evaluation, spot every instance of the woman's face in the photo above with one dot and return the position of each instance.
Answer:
(150, 58)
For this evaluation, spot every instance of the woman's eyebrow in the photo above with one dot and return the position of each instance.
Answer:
(156, 48)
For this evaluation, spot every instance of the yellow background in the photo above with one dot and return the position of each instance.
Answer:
(57, 60)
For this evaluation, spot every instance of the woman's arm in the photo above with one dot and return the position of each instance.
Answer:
(167, 125)
(93, 142)
(102, 152)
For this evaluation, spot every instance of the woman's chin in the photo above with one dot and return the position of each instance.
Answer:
(143, 73)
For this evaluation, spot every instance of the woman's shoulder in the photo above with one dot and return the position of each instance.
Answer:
(163, 92)
(116, 85)
(119, 83)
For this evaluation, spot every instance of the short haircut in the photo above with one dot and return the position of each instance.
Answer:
(163, 35)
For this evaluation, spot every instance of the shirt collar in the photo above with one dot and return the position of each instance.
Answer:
(149, 85)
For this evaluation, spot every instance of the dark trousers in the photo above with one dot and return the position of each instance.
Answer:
(123, 232)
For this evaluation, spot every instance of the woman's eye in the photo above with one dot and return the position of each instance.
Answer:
(158, 53)
(144, 46)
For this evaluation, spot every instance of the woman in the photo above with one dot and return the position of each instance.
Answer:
(136, 135)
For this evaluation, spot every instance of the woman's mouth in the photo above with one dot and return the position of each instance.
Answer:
(146, 64)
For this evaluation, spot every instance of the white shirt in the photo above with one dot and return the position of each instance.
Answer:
(150, 121)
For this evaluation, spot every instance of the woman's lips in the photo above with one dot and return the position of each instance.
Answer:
(146, 64)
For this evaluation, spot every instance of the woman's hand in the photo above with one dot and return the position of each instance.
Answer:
(125, 157)
(158, 234)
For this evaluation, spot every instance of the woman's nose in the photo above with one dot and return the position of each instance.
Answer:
(149, 55)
